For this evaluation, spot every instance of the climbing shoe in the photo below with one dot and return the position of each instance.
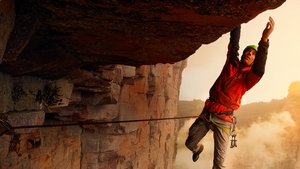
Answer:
(197, 153)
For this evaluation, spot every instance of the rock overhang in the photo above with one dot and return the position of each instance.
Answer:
(54, 38)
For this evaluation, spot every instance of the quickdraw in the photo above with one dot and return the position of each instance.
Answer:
(233, 134)
(233, 140)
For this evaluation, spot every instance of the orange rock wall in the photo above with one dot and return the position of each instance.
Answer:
(145, 92)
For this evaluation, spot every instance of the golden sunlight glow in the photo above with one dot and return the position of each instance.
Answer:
(283, 64)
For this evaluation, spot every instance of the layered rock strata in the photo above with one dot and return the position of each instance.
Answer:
(110, 93)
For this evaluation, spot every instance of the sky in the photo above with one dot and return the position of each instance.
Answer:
(283, 63)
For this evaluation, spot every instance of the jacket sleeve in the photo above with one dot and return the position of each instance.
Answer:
(259, 64)
(233, 47)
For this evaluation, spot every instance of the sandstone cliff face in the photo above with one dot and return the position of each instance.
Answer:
(131, 93)
(86, 60)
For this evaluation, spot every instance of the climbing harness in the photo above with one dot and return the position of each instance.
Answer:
(229, 129)
(211, 118)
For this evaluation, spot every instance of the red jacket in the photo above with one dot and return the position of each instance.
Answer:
(226, 93)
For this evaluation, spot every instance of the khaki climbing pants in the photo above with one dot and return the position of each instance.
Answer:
(221, 133)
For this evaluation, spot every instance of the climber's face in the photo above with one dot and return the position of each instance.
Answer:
(248, 57)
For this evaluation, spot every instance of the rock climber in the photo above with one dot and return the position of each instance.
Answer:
(237, 77)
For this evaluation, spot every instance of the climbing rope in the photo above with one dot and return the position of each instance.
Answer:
(4, 123)
(5, 127)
